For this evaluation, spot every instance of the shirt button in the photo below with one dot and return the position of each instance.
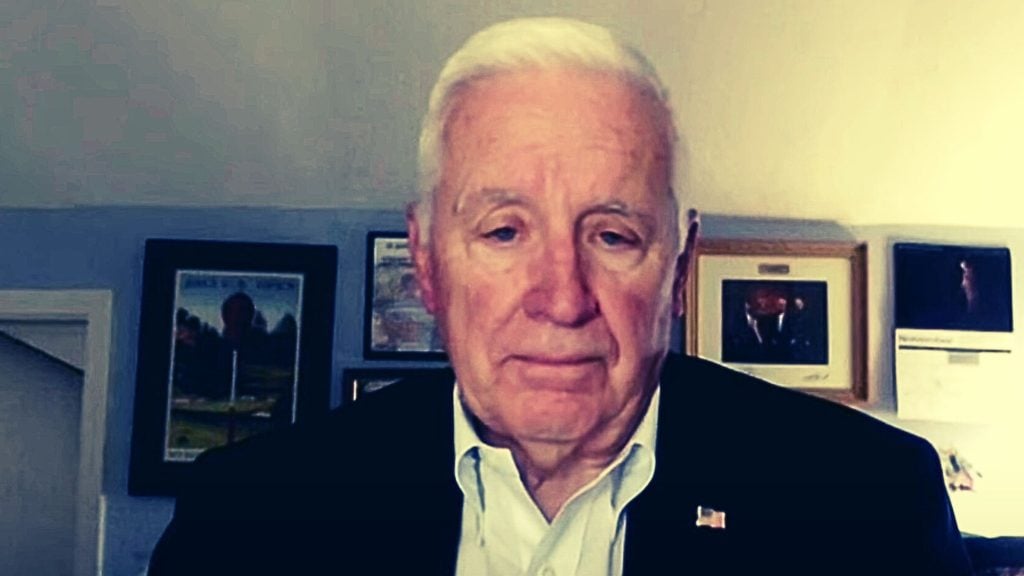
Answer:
(547, 571)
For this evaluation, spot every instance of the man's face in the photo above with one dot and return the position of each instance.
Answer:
(552, 253)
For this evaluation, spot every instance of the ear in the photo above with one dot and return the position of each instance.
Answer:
(684, 263)
(420, 253)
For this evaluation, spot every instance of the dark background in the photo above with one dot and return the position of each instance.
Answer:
(804, 338)
(928, 291)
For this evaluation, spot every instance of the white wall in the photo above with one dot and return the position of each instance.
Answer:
(858, 111)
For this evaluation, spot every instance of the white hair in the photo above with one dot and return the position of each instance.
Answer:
(521, 44)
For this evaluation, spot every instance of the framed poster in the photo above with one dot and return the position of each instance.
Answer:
(235, 340)
(792, 313)
(396, 325)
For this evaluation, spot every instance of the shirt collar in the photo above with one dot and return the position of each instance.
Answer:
(466, 438)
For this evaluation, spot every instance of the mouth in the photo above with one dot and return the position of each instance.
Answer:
(562, 373)
(566, 360)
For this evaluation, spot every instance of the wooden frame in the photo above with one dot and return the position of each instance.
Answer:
(396, 326)
(235, 339)
(358, 382)
(792, 312)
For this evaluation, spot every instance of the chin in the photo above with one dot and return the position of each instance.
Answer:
(549, 434)
(557, 422)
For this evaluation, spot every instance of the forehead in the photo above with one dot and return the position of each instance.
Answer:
(591, 119)
(578, 101)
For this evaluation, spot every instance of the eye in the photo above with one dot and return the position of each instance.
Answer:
(502, 234)
(616, 243)
(613, 239)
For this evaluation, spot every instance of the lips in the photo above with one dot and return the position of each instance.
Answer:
(559, 360)
(563, 373)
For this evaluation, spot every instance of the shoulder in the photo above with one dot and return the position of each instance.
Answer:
(793, 467)
(779, 427)
(393, 424)
(348, 470)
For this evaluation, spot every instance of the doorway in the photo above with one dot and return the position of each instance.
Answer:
(54, 363)
(40, 419)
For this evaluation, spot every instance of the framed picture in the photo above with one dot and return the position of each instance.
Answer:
(396, 325)
(358, 382)
(961, 288)
(953, 340)
(789, 312)
(235, 340)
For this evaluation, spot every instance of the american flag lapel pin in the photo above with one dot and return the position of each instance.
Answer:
(710, 518)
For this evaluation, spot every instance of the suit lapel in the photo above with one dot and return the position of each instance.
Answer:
(432, 541)
(408, 518)
(661, 532)
(438, 524)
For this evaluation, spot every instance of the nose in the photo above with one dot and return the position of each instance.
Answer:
(560, 290)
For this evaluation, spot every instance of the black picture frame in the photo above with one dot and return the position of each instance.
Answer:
(235, 338)
(358, 382)
(396, 325)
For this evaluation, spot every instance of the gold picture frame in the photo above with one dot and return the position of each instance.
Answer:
(791, 312)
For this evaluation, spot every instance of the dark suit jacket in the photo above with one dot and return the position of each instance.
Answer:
(808, 487)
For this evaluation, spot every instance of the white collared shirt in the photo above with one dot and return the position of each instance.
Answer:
(504, 533)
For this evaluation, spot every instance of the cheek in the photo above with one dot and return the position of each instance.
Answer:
(640, 317)
(479, 301)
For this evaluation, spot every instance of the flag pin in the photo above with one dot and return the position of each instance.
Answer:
(710, 518)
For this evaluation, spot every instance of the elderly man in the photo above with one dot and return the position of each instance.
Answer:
(548, 245)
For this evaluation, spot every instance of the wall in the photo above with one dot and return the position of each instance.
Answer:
(862, 112)
(62, 340)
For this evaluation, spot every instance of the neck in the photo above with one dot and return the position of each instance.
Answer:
(552, 472)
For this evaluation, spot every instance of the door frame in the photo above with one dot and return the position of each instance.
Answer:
(94, 308)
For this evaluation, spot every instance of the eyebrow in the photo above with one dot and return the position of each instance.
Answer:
(498, 197)
(488, 197)
(620, 208)
(611, 207)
